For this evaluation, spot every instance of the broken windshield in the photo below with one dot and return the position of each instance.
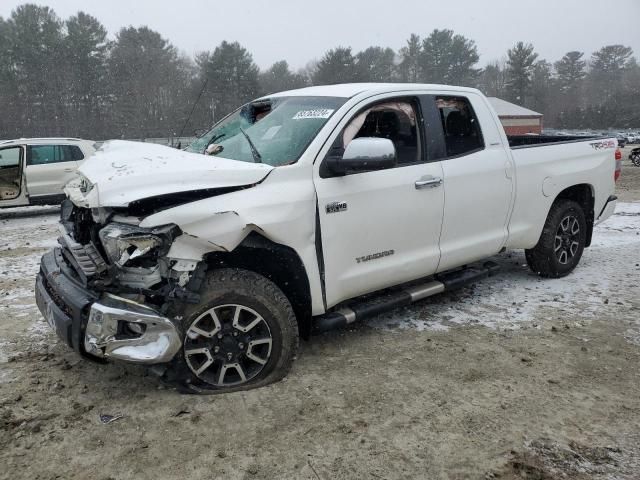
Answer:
(274, 131)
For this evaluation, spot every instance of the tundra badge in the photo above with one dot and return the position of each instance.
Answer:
(375, 256)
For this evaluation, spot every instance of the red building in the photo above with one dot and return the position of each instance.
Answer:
(515, 119)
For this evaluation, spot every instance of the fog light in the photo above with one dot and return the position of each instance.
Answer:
(137, 328)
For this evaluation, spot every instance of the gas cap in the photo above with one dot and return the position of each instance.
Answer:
(548, 187)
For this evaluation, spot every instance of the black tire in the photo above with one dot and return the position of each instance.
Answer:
(257, 299)
(559, 250)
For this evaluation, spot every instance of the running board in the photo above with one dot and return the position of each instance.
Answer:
(443, 282)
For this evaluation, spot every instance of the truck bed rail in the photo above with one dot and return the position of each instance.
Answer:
(526, 141)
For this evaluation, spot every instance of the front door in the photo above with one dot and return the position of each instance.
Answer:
(12, 183)
(380, 228)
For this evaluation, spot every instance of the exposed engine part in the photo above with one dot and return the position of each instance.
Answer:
(139, 277)
(124, 243)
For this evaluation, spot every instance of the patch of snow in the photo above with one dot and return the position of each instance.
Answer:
(28, 227)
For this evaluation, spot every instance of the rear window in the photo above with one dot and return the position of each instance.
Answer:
(46, 154)
(461, 128)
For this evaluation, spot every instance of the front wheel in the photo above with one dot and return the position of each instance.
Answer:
(242, 335)
(635, 159)
(562, 241)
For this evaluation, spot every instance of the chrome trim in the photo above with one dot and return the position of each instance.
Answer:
(423, 291)
(348, 314)
(158, 344)
(428, 183)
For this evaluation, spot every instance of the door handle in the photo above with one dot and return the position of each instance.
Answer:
(69, 169)
(430, 183)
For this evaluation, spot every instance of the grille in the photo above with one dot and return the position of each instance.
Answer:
(87, 258)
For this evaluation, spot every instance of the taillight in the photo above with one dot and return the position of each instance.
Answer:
(618, 170)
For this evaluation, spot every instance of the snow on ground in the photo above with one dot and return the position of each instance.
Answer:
(25, 234)
(28, 227)
(516, 295)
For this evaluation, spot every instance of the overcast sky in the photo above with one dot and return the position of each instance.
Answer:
(301, 30)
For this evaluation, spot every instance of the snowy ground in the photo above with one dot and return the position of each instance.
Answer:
(26, 232)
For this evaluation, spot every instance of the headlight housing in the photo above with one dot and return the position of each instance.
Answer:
(133, 246)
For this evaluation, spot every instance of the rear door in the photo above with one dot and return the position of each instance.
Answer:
(380, 228)
(12, 183)
(478, 181)
(50, 167)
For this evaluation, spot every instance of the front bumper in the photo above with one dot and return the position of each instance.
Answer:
(93, 324)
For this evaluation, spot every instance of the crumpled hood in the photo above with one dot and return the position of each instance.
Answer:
(121, 172)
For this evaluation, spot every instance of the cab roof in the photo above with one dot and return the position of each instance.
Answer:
(349, 90)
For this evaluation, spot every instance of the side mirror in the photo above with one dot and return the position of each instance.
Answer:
(365, 154)
(213, 149)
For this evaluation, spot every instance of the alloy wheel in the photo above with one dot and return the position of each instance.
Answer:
(228, 345)
(567, 239)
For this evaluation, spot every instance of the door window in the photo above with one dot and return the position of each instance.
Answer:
(461, 128)
(9, 157)
(46, 154)
(396, 120)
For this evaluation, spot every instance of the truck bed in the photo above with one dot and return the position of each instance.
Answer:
(526, 141)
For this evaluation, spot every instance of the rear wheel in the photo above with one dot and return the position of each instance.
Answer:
(562, 241)
(242, 335)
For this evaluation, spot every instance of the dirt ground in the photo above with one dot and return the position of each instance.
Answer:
(513, 378)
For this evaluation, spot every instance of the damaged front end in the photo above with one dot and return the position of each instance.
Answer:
(111, 291)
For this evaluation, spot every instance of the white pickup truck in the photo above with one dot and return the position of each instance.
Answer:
(304, 211)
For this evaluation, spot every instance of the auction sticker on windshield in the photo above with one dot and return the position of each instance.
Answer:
(317, 113)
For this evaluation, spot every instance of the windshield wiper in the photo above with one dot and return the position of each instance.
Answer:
(257, 158)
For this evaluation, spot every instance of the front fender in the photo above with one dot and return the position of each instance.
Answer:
(230, 230)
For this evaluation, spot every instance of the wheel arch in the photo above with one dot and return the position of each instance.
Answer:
(278, 263)
(584, 195)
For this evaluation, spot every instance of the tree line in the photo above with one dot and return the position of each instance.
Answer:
(66, 77)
